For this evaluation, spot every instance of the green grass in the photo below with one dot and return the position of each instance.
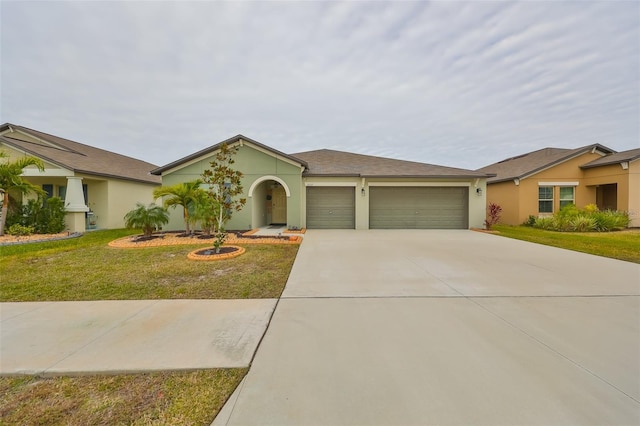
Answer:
(161, 398)
(86, 268)
(622, 245)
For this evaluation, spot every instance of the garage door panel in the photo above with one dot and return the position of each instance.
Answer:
(331, 207)
(418, 207)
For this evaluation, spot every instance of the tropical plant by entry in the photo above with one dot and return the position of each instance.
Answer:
(147, 218)
(205, 212)
(225, 185)
(183, 194)
(11, 180)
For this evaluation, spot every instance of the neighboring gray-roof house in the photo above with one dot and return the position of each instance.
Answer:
(541, 182)
(335, 189)
(99, 185)
(524, 165)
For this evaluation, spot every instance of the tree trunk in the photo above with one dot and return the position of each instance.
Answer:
(5, 210)
(186, 220)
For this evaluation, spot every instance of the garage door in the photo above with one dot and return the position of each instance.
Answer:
(418, 207)
(331, 207)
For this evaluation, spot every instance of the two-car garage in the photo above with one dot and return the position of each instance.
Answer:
(390, 207)
(427, 207)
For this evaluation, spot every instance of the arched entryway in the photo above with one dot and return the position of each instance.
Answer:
(269, 196)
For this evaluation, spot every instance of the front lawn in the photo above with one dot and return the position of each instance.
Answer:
(622, 245)
(86, 268)
(161, 398)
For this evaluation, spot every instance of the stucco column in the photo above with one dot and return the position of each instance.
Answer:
(74, 205)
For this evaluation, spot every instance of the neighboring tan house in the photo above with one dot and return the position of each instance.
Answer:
(99, 187)
(541, 182)
(334, 189)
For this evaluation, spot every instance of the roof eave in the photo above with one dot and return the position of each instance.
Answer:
(34, 154)
(106, 175)
(609, 163)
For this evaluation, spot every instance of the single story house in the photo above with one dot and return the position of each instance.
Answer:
(327, 189)
(541, 182)
(99, 187)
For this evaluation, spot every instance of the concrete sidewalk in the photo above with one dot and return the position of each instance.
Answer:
(130, 336)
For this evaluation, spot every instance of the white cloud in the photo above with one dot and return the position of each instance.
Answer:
(454, 83)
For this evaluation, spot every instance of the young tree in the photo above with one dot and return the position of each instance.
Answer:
(11, 180)
(225, 185)
(183, 194)
(146, 218)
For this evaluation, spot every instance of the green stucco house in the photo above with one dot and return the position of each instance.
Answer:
(326, 189)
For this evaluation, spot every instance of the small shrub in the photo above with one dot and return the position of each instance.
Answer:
(591, 208)
(531, 221)
(609, 220)
(20, 230)
(494, 211)
(44, 216)
(547, 222)
(583, 223)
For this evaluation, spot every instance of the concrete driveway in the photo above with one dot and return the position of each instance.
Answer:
(446, 327)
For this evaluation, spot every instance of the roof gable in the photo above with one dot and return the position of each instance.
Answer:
(238, 139)
(326, 162)
(525, 165)
(75, 156)
(619, 157)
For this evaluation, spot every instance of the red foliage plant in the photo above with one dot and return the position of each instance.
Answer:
(494, 212)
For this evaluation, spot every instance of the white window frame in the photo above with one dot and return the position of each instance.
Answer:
(546, 199)
(572, 200)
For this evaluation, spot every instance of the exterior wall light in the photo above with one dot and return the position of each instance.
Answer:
(479, 191)
(362, 192)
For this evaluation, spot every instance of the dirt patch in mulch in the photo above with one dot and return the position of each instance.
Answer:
(210, 251)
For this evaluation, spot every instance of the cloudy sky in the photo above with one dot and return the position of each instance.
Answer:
(454, 83)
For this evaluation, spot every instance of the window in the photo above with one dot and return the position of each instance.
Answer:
(62, 192)
(567, 195)
(48, 189)
(545, 199)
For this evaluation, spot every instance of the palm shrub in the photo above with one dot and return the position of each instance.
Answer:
(146, 218)
(11, 180)
(206, 211)
(182, 194)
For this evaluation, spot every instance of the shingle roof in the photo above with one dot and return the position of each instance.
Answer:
(326, 162)
(530, 163)
(619, 157)
(81, 158)
(213, 148)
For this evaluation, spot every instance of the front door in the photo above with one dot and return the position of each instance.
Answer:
(278, 205)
